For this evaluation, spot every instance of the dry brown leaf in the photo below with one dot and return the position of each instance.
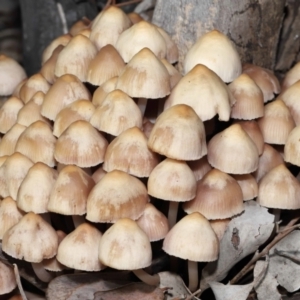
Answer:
(133, 291)
(84, 285)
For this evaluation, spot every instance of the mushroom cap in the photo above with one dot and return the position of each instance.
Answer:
(199, 167)
(70, 191)
(32, 239)
(117, 195)
(7, 279)
(193, 229)
(217, 52)
(10, 76)
(219, 196)
(141, 35)
(219, 227)
(248, 184)
(265, 79)
(37, 142)
(145, 76)
(249, 98)
(35, 189)
(178, 133)
(81, 145)
(107, 64)
(67, 89)
(292, 147)
(279, 188)
(116, 113)
(9, 112)
(154, 223)
(85, 239)
(102, 91)
(172, 180)
(76, 57)
(175, 76)
(125, 246)
(291, 77)
(205, 92)
(239, 153)
(277, 123)
(129, 153)
(78, 26)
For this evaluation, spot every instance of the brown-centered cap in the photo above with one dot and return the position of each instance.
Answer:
(154, 223)
(61, 40)
(193, 229)
(70, 191)
(48, 67)
(216, 51)
(239, 153)
(219, 196)
(253, 130)
(34, 84)
(248, 184)
(269, 159)
(219, 227)
(37, 142)
(107, 64)
(16, 92)
(78, 26)
(12, 173)
(102, 91)
(7, 278)
(67, 89)
(134, 17)
(175, 76)
(79, 110)
(85, 239)
(291, 100)
(199, 167)
(125, 246)
(108, 26)
(291, 77)
(141, 35)
(9, 140)
(172, 180)
(277, 123)
(9, 112)
(145, 76)
(35, 189)
(76, 57)
(10, 215)
(81, 145)
(205, 92)
(178, 133)
(10, 76)
(117, 195)
(280, 189)
(249, 98)
(98, 174)
(292, 147)
(31, 111)
(265, 79)
(129, 153)
(31, 239)
(116, 113)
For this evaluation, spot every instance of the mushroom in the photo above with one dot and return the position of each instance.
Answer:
(7, 278)
(199, 167)
(291, 77)
(248, 184)
(78, 26)
(219, 227)
(292, 147)
(125, 246)
(102, 91)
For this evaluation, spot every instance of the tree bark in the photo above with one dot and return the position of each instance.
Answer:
(253, 25)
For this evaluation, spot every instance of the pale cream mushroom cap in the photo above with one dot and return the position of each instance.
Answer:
(217, 52)
(125, 246)
(248, 184)
(291, 77)
(7, 279)
(292, 147)
(219, 227)
(102, 91)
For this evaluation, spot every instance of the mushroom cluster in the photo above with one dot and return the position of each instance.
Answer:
(109, 131)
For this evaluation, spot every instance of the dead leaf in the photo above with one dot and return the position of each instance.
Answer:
(266, 287)
(83, 285)
(132, 291)
(229, 292)
(244, 234)
(177, 288)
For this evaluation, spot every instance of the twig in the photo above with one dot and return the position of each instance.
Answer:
(294, 227)
(62, 18)
(287, 255)
(288, 228)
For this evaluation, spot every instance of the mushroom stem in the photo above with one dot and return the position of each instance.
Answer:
(147, 278)
(276, 212)
(78, 220)
(41, 273)
(142, 103)
(172, 214)
(193, 275)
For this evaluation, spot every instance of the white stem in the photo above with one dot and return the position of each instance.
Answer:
(147, 278)
(172, 214)
(276, 212)
(142, 104)
(193, 275)
(41, 273)
(78, 220)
